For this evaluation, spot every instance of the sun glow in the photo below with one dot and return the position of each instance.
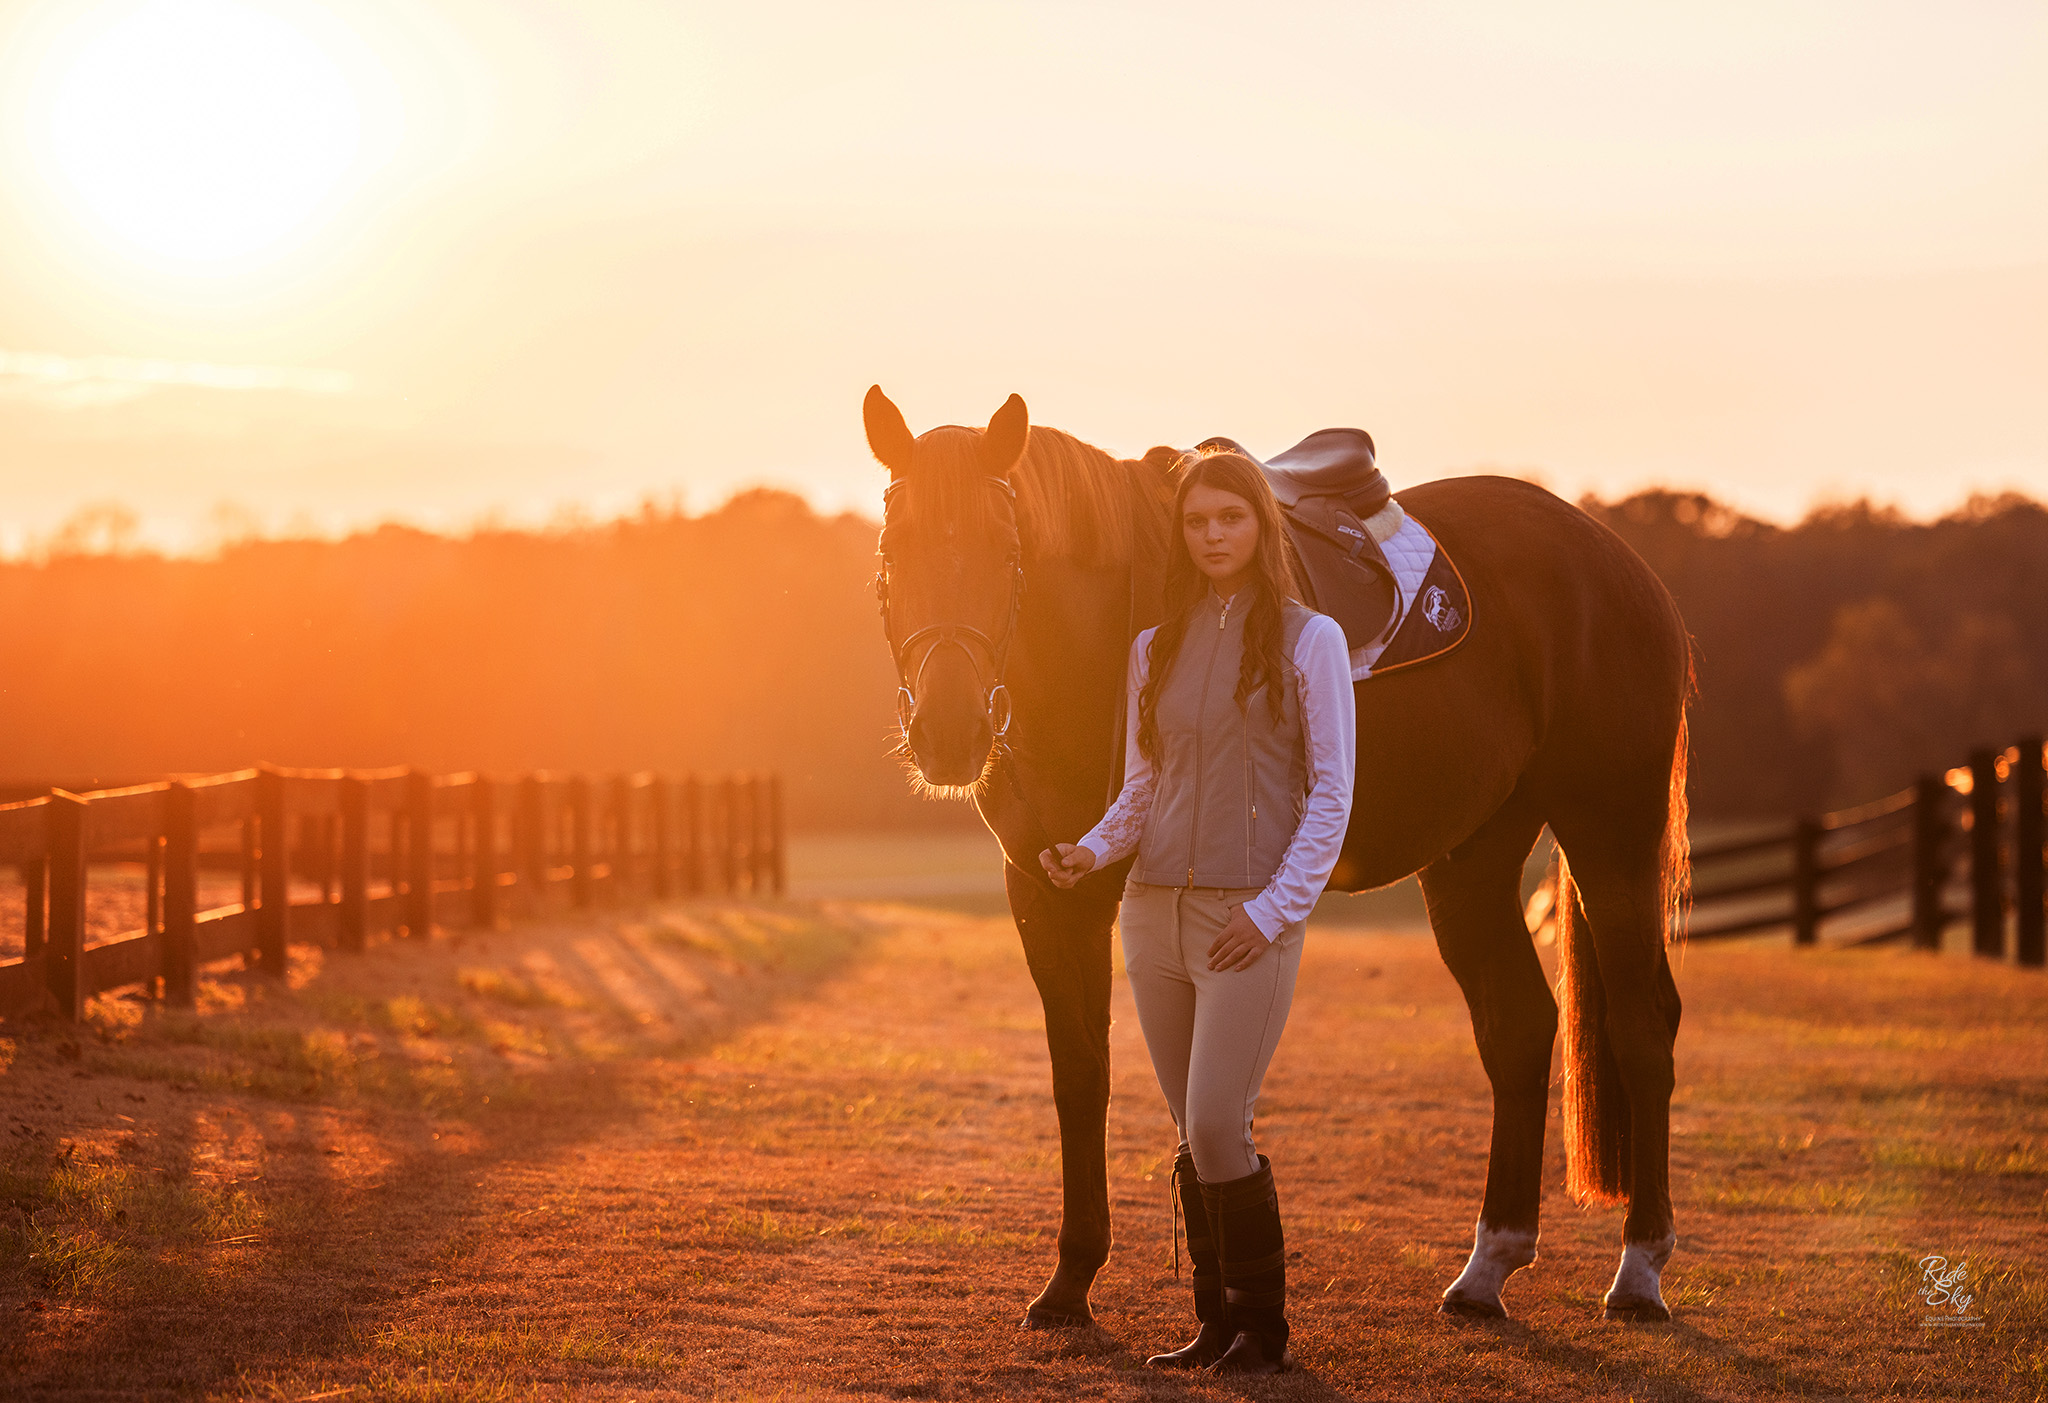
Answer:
(202, 134)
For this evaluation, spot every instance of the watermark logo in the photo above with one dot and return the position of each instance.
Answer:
(1949, 1295)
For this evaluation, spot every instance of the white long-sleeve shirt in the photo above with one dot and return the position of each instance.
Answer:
(1329, 731)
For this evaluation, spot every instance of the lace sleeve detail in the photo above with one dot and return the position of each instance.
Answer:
(1118, 834)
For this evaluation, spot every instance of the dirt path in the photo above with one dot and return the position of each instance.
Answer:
(810, 1152)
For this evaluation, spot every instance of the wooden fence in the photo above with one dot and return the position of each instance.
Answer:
(332, 857)
(1893, 869)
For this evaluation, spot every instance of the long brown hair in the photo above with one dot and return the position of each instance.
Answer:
(1271, 585)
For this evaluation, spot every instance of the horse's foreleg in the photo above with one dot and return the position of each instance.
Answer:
(1475, 910)
(1066, 944)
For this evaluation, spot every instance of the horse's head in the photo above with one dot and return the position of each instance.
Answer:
(951, 576)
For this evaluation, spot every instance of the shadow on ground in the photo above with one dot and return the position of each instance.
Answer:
(190, 1198)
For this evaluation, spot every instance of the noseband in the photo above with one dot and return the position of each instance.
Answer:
(995, 695)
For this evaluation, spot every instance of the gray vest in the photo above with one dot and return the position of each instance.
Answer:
(1230, 784)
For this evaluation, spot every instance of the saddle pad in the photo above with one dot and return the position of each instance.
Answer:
(1436, 608)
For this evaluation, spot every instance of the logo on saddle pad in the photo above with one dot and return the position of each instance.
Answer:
(1443, 616)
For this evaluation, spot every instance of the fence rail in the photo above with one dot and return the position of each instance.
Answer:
(334, 857)
(1966, 846)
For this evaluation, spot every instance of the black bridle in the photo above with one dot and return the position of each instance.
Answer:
(995, 693)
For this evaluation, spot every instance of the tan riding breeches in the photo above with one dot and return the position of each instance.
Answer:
(1211, 1033)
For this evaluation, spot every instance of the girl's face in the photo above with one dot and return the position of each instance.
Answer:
(1222, 535)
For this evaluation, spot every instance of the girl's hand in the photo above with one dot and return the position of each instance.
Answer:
(1240, 945)
(1067, 863)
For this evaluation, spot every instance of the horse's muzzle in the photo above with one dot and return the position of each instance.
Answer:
(949, 753)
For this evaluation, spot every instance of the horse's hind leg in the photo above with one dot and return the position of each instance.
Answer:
(1475, 909)
(1066, 945)
(1616, 856)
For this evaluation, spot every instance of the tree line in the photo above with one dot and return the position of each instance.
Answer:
(1836, 657)
(1840, 657)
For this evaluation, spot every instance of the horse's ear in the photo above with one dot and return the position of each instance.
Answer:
(1003, 442)
(888, 436)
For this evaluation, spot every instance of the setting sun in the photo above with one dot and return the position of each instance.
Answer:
(201, 132)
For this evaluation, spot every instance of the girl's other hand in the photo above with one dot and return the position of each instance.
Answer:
(1240, 944)
(1067, 863)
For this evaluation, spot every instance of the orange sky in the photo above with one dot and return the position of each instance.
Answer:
(588, 251)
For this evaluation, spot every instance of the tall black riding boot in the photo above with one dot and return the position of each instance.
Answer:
(1209, 1343)
(1253, 1254)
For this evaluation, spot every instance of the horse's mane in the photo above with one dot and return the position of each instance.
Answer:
(1074, 501)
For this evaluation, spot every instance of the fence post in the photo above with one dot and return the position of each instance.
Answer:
(483, 817)
(181, 895)
(693, 837)
(464, 857)
(731, 829)
(2028, 858)
(249, 863)
(622, 835)
(1987, 882)
(64, 952)
(530, 844)
(760, 837)
(153, 883)
(419, 864)
(1806, 882)
(354, 935)
(273, 863)
(778, 838)
(579, 839)
(753, 798)
(1930, 862)
(304, 860)
(35, 889)
(760, 858)
(394, 862)
(663, 836)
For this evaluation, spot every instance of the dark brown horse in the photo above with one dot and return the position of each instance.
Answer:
(1019, 563)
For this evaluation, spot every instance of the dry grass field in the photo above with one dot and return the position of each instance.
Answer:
(807, 1150)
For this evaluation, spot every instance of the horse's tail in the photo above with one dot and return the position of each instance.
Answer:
(1675, 856)
(1596, 1164)
(1596, 1115)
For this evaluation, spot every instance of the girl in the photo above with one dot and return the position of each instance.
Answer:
(1235, 799)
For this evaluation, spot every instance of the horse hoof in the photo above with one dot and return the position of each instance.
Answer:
(1637, 1293)
(1465, 1308)
(1638, 1312)
(1063, 1304)
(1497, 1254)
